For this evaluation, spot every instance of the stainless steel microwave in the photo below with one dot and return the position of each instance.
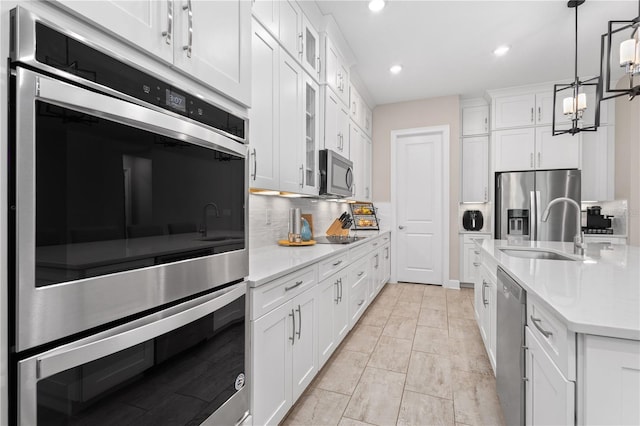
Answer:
(336, 175)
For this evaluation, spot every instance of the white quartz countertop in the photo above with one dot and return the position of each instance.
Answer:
(599, 294)
(274, 261)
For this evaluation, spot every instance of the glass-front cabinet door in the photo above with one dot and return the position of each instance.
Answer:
(311, 135)
(310, 49)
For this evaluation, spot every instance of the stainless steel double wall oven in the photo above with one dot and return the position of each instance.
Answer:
(129, 257)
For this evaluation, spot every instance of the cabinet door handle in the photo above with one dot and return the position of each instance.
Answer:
(340, 280)
(297, 284)
(299, 322)
(293, 330)
(301, 175)
(255, 163)
(476, 251)
(337, 299)
(484, 299)
(318, 65)
(375, 244)
(538, 158)
(386, 250)
(486, 124)
(361, 302)
(539, 114)
(485, 194)
(532, 115)
(531, 159)
(544, 332)
(377, 260)
(476, 264)
(337, 263)
(361, 273)
(189, 46)
(301, 49)
(168, 34)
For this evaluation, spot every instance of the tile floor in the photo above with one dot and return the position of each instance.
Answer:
(415, 358)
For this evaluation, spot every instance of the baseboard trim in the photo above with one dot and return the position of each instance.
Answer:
(452, 284)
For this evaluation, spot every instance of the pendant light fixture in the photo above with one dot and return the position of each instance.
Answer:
(620, 47)
(574, 95)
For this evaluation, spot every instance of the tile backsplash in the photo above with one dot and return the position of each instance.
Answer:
(262, 234)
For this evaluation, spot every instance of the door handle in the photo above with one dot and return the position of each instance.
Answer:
(301, 175)
(539, 113)
(318, 65)
(299, 322)
(255, 163)
(293, 330)
(168, 34)
(544, 332)
(484, 299)
(189, 46)
(538, 158)
(337, 299)
(532, 114)
(531, 159)
(400, 227)
(301, 49)
(340, 280)
(297, 284)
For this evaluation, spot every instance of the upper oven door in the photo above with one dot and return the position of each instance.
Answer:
(118, 209)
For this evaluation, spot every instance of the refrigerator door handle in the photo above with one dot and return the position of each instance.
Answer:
(533, 217)
(538, 217)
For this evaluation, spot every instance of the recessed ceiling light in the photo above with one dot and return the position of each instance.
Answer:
(501, 50)
(395, 69)
(376, 5)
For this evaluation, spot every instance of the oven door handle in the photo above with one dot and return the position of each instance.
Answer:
(128, 335)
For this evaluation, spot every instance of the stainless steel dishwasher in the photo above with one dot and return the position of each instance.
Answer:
(510, 369)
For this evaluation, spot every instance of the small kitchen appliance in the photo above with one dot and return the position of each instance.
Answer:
(472, 220)
(336, 174)
(596, 222)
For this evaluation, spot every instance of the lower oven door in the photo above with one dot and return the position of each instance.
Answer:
(184, 365)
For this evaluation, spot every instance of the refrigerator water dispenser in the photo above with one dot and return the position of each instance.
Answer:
(518, 220)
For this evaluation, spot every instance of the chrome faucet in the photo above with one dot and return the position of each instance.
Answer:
(203, 231)
(578, 240)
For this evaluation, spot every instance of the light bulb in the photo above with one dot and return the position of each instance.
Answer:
(567, 105)
(627, 52)
(582, 102)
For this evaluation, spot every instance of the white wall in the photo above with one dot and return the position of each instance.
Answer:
(407, 115)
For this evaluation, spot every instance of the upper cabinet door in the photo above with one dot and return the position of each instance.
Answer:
(268, 13)
(290, 126)
(331, 65)
(544, 109)
(290, 33)
(213, 44)
(475, 169)
(311, 134)
(264, 159)
(514, 111)
(514, 149)
(147, 24)
(475, 120)
(556, 152)
(310, 49)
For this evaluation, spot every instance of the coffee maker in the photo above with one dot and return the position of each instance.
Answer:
(596, 222)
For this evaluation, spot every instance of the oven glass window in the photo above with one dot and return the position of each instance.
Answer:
(178, 378)
(110, 197)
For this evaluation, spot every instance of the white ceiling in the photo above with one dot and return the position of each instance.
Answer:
(445, 47)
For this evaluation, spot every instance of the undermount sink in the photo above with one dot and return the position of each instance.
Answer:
(536, 254)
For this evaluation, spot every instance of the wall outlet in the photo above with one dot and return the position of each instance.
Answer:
(267, 217)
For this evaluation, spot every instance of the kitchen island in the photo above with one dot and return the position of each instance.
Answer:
(582, 332)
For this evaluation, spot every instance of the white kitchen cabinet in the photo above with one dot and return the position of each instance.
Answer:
(475, 169)
(336, 124)
(290, 124)
(310, 49)
(355, 106)
(526, 109)
(267, 12)
(549, 396)
(514, 149)
(264, 159)
(368, 121)
(610, 381)
(598, 164)
(359, 276)
(360, 153)
(286, 339)
(557, 152)
(470, 256)
(535, 149)
(374, 274)
(290, 27)
(487, 313)
(336, 71)
(209, 41)
(311, 129)
(475, 120)
(333, 300)
(385, 258)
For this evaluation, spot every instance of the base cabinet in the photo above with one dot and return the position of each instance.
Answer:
(359, 276)
(549, 396)
(485, 305)
(288, 356)
(333, 301)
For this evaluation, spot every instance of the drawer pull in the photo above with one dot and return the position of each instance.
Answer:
(337, 263)
(293, 330)
(340, 297)
(544, 332)
(375, 244)
(476, 251)
(299, 322)
(476, 264)
(297, 284)
(485, 302)
(361, 273)
(361, 302)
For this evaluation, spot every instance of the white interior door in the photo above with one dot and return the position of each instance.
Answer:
(419, 202)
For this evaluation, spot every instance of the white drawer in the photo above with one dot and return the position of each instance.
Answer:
(469, 238)
(554, 337)
(357, 296)
(273, 294)
(332, 265)
(358, 272)
(364, 249)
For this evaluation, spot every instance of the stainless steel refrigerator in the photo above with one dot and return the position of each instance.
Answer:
(521, 198)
